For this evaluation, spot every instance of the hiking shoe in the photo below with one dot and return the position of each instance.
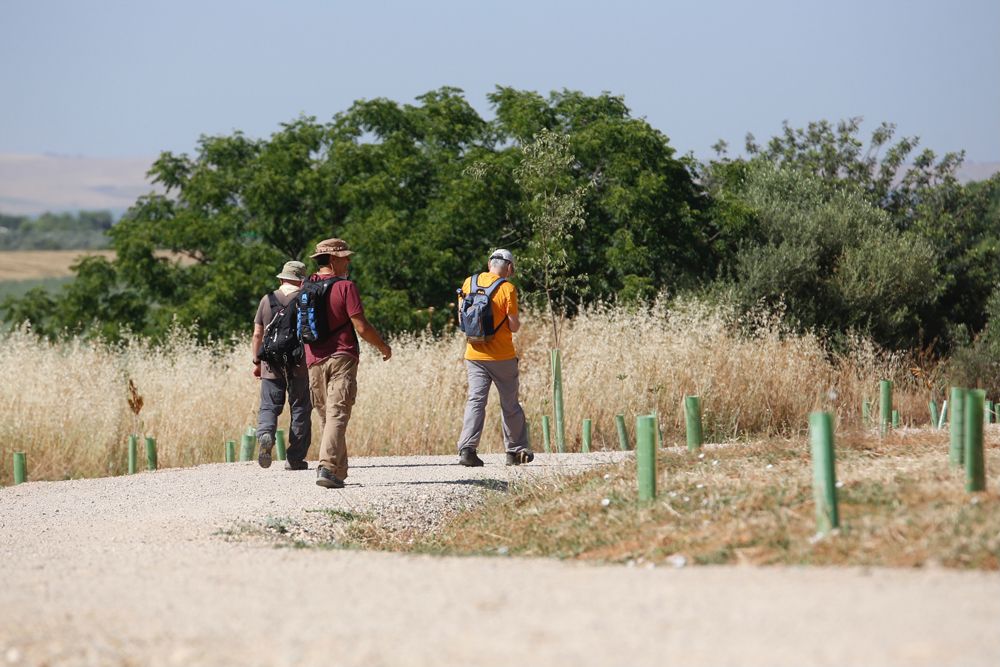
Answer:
(327, 479)
(520, 456)
(296, 465)
(265, 443)
(468, 458)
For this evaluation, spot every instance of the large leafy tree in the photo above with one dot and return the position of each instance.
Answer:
(831, 258)
(918, 212)
(645, 225)
(393, 180)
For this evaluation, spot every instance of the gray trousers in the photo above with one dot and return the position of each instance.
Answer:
(504, 375)
(272, 402)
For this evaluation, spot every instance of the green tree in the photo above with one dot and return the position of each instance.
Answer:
(831, 258)
(392, 180)
(646, 224)
(555, 212)
(920, 196)
(84, 230)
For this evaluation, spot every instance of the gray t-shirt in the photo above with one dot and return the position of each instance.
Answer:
(263, 318)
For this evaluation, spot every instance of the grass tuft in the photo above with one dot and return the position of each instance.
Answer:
(746, 502)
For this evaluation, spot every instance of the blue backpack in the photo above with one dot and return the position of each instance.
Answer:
(476, 315)
(312, 325)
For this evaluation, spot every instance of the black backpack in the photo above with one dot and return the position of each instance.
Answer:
(281, 347)
(312, 325)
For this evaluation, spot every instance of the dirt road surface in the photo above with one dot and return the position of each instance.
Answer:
(145, 570)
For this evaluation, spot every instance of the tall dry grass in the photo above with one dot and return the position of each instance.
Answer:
(65, 404)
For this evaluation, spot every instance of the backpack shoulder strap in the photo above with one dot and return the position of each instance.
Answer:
(273, 306)
(493, 288)
(474, 283)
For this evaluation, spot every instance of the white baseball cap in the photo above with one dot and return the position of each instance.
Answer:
(505, 255)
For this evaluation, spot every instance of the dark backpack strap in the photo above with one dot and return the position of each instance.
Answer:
(272, 300)
(488, 291)
(273, 306)
(493, 288)
(349, 323)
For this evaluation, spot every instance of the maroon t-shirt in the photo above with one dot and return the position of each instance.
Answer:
(344, 303)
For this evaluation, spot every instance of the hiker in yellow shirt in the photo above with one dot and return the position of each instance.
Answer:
(488, 315)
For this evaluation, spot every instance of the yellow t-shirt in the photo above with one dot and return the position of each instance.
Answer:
(504, 303)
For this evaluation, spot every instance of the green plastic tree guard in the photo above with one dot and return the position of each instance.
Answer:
(944, 414)
(622, 433)
(645, 456)
(246, 447)
(230, 451)
(150, 453)
(692, 419)
(557, 400)
(588, 426)
(956, 452)
(824, 476)
(885, 405)
(546, 434)
(895, 418)
(975, 467)
(133, 453)
(279, 443)
(988, 413)
(866, 413)
(20, 468)
(932, 406)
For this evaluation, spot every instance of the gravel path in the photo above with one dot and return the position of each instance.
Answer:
(139, 571)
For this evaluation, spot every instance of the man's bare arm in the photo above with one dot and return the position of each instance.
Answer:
(258, 338)
(514, 322)
(371, 336)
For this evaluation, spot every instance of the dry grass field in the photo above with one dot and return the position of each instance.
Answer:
(36, 264)
(65, 404)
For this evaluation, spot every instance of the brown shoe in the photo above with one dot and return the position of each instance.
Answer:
(327, 479)
(265, 443)
(296, 465)
(520, 456)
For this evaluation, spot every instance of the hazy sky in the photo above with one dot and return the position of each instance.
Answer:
(134, 78)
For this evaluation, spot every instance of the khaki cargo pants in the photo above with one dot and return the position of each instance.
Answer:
(333, 386)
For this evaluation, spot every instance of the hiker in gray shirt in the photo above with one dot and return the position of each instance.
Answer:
(280, 378)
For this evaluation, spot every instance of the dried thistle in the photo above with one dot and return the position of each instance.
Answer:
(134, 398)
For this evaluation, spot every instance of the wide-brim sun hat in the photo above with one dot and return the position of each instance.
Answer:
(335, 247)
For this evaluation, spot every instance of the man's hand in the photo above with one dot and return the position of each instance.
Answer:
(256, 369)
(386, 351)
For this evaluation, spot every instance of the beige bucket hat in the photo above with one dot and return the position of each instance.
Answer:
(293, 270)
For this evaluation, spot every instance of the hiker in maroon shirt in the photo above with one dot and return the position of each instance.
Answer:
(333, 361)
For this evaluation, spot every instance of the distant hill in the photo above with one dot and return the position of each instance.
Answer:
(34, 184)
(977, 171)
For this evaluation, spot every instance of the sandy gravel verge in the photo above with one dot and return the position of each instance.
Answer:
(139, 571)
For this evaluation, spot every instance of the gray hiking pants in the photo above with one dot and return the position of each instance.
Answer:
(504, 375)
(272, 402)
